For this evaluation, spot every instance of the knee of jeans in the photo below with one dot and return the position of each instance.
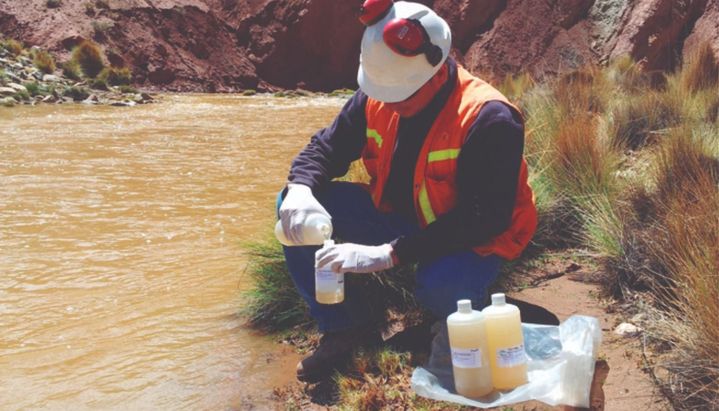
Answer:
(441, 301)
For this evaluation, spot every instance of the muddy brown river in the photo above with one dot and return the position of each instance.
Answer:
(121, 261)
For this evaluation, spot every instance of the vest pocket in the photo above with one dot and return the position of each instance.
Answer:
(442, 194)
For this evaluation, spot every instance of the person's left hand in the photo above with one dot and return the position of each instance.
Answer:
(355, 258)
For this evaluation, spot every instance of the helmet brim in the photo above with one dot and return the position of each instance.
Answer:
(383, 92)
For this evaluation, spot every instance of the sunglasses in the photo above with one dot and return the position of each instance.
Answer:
(406, 37)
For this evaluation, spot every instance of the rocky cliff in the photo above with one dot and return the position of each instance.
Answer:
(225, 45)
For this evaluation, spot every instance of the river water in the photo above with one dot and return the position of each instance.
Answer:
(120, 250)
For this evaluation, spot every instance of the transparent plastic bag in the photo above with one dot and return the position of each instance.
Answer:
(560, 366)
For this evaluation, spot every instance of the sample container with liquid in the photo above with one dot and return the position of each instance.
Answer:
(329, 286)
(505, 344)
(316, 229)
(468, 344)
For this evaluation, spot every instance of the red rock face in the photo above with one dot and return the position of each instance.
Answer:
(225, 45)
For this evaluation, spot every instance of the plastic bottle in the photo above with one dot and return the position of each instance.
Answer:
(329, 286)
(505, 343)
(317, 229)
(468, 344)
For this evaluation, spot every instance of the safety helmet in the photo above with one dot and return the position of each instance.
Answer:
(403, 46)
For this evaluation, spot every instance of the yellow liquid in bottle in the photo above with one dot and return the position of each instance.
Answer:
(476, 381)
(505, 344)
(468, 344)
(329, 297)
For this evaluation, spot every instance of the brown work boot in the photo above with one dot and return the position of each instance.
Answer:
(333, 352)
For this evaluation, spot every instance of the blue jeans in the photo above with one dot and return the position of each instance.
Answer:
(440, 283)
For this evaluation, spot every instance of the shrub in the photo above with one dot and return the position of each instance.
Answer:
(98, 84)
(53, 4)
(128, 90)
(71, 70)
(115, 76)
(89, 58)
(89, 9)
(35, 88)
(14, 47)
(22, 95)
(102, 4)
(701, 71)
(43, 61)
(76, 93)
(101, 27)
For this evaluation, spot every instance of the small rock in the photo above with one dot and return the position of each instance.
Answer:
(124, 103)
(7, 91)
(639, 318)
(4, 61)
(49, 99)
(627, 330)
(146, 97)
(91, 100)
(50, 78)
(7, 102)
(17, 87)
(12, 76)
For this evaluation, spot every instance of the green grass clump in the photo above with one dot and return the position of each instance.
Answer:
(273, 303)
(71, 69)
(43, 61)
(35, 88)
(14, 47)
(87, 55)
(128, 90)
(76, 93)
(116, 76)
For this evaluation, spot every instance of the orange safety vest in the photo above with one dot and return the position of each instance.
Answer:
(435, 190)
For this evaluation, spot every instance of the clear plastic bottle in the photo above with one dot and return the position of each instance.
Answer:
(505, 343)
(329, 286)
(468, 343)
(317, 229)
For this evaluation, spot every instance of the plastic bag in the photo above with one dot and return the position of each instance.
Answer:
(560, 366)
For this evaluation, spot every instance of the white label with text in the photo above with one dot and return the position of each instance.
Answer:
(466, 357)
(511, 356)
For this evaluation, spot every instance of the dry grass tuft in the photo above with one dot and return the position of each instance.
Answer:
(701, 72)
(43, 61)
(88, 57)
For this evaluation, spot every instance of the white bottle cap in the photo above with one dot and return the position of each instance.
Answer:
(498, 299)
(464, 306)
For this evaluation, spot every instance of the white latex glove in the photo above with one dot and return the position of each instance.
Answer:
(355, 258)
(299, 203)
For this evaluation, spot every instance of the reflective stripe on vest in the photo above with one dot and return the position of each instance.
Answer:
(439, 155)
(373, 134)
(424, 204)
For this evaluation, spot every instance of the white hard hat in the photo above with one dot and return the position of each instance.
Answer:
(391, 75)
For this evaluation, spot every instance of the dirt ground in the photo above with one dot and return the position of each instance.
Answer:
(565, 288)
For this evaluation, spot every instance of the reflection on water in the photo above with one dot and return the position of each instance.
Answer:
(120, 234)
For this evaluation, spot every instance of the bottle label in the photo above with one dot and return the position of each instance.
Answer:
(467, 357)
(511, 356)
(327, 279)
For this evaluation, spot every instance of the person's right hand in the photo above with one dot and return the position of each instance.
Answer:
(299, 203)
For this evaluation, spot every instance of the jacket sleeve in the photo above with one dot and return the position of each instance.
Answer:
(487, 174)
(332, 149)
